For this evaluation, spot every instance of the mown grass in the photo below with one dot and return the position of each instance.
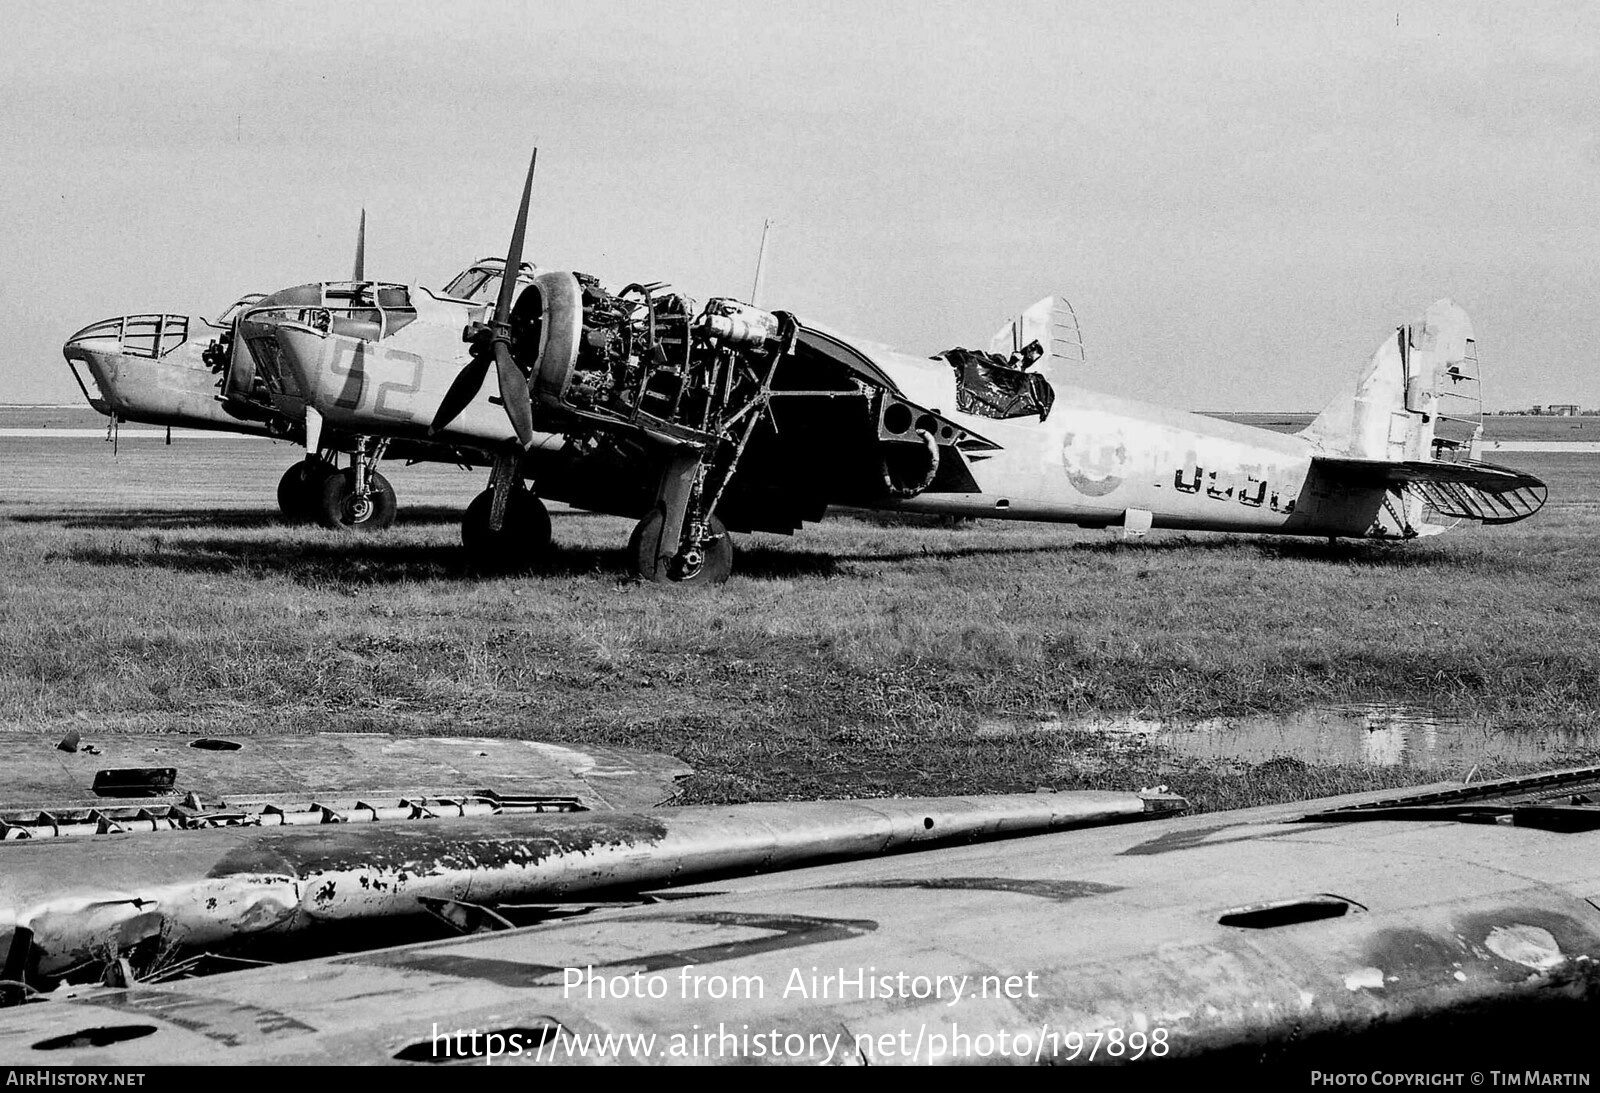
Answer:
(858, 658)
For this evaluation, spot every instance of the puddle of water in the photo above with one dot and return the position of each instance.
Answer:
(1365, 735)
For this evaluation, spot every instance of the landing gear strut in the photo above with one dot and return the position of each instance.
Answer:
(359, 498)
(343, 506)
(356, 499)
(677, 542)
(706, 560)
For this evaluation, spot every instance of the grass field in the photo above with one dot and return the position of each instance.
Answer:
(159, 592)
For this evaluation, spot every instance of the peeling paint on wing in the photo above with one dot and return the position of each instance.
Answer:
(1530, 946)
(226, 885)
(423, 852)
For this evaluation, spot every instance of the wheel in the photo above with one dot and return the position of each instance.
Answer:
(712, 564)
(339, 508)
(523, 538)
(300, 487)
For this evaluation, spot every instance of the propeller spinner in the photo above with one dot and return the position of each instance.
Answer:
(491, 341)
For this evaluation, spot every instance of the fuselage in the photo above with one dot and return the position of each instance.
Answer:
(151, 369)
(190, 372)
(1095, 460)
(386, 378)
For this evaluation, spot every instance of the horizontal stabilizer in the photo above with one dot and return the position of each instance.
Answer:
(1464, 489)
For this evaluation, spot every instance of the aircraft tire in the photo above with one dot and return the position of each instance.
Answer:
(338, 507)
(644, 552)
(523, 538)
(300, 487)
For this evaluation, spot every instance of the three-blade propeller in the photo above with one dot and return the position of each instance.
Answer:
(361, 250)
(492, 342)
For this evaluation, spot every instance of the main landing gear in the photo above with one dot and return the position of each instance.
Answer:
(344, 506)
(300, 485)
(357, 498)
(707, 558)
(680, 541)
(506, 528)
(519, 542)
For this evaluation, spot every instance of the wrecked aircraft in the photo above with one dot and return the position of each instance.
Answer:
(697, 420)
(459, 828)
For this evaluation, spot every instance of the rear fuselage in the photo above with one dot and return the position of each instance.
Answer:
(1100, 460)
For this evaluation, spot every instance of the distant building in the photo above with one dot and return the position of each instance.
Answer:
(1555, 409)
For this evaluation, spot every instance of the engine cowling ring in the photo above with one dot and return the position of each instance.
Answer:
(910, 468)
(552, 309)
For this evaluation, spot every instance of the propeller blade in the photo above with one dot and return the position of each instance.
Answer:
(361, 249)
(463, 389)
(508, 279)
(514, 394)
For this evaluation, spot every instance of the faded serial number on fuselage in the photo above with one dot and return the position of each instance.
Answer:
(1096, 465)
(1252, 492)
(353, 359)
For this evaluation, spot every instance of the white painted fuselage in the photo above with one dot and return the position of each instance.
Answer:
(1101, 460)
(1097, 460)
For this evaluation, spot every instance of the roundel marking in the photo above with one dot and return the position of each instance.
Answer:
(1095, 462)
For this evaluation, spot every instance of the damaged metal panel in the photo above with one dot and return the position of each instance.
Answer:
(154, 896)
(1211, 937)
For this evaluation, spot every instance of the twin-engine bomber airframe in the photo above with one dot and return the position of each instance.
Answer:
(700, 419)
(695, 420)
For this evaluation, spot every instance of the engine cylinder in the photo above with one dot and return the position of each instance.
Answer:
(733, 322)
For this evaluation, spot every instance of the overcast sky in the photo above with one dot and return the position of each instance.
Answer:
(1240, 199)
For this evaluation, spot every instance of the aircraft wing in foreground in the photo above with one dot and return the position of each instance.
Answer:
(1442, 928)
(140, 854)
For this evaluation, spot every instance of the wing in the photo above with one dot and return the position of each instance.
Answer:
(193, 858)
(1242, 938)
(1464, 489)
(841, 430)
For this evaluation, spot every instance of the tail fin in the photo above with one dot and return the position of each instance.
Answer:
(1418, 397)
(1054, 325)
